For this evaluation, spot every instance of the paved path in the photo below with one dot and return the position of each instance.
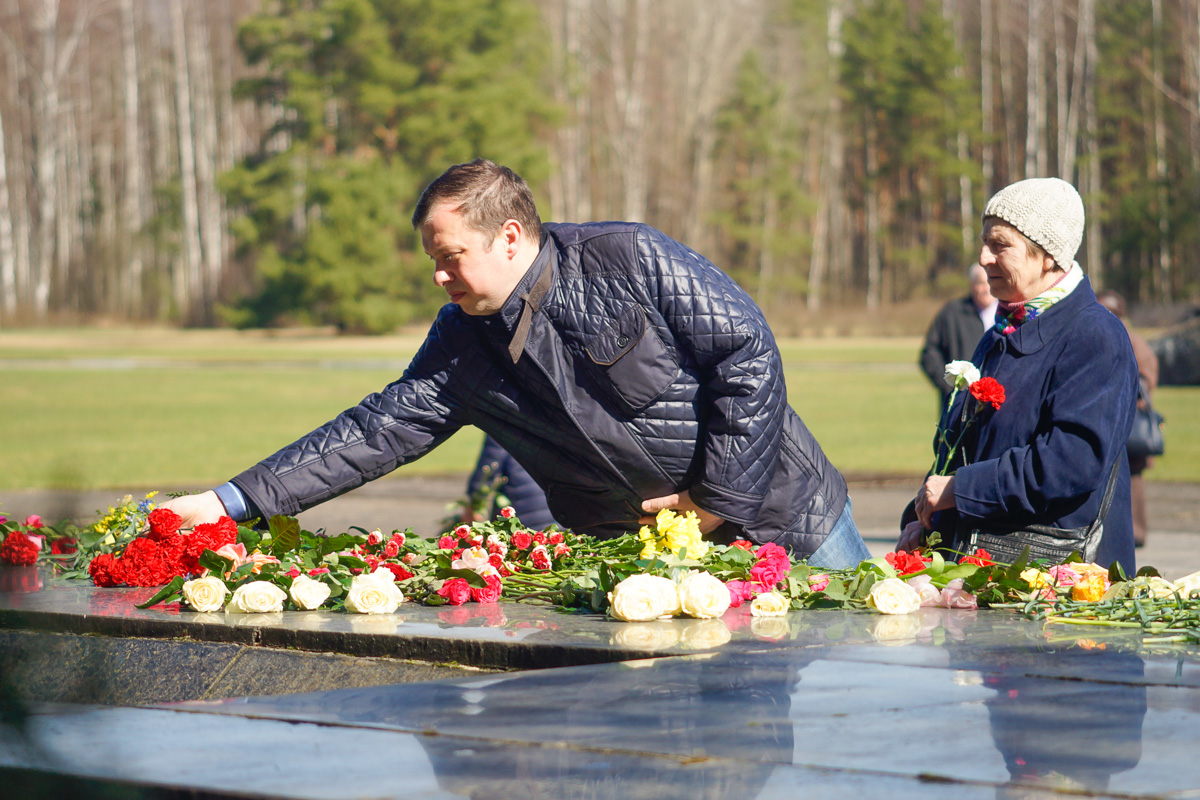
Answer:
(421, 502)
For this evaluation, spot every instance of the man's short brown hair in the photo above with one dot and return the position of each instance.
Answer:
(486, 195)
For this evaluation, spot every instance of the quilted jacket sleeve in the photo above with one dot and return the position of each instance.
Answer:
(399, 424)
(725, 332)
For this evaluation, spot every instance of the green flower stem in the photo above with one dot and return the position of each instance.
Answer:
(1084, 621)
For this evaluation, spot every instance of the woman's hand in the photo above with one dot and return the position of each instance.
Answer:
(196, 508)
(935, 495)
(682, 503)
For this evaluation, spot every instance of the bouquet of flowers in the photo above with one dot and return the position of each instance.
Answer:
(985, 391)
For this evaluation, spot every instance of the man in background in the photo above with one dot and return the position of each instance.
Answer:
(957, 329)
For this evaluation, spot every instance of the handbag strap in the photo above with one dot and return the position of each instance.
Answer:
(1106, 501)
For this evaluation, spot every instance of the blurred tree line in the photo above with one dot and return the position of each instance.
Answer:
(255, 162)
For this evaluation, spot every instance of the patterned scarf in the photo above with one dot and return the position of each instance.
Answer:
(1010, 316)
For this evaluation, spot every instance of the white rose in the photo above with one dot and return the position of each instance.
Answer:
(769, 604)
(256, 597)
(1160, 588)
(1188, 584)
(702, 595)
(205, 594)
(704, 634)
(641, 598)
(896, 630)
(893, 596)
(472, 558)
(307, 593)
(961, 374)
(647, 636)
(373, 593)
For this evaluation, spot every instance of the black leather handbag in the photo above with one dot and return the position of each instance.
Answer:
(1146, 436)
(1045, 542)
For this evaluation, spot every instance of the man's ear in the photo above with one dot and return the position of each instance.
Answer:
(512, 233)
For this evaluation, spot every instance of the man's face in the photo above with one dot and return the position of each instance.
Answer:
(981, 293)
(477, 272)
(1014, 274)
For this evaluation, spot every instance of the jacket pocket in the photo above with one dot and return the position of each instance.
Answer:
(633, 363)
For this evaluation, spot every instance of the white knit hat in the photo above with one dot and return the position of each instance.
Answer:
(1047, 210)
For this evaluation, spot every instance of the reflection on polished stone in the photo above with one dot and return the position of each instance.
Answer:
(18, 580)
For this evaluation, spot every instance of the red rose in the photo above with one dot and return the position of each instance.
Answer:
(540, 558)
(907, 563)
(555, 537)
(496, 560)
(742, 544)
(399, 572)
(489, 593)
(522, 540)
(447, 543)
(105, 570)
(163, 522)
(18, 549)
(561, 550)
(540, 537)
(507, 512)
(773, 565)
(981, 558)
(456, 591)
(64, 546)
(391, 549)
(988, 390)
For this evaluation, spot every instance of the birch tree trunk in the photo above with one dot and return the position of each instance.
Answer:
(629, 86)
(187, 279)
(208, 200)
(1034, 157)
(46, 104)
(1087, 18)
(8, 264)
(1160, 159)
(131, 195)
(987, 35)
(874, 262)
(829, 236)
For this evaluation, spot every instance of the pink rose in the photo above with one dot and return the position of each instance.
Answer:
(409, 558)
(456, 591)
(33, 521)
(447, 543)
(954, 596)
(561, 550)
(234, 552)
(554, 537)
(489, 593)
(772, 566)
(462, 532)
(929, 594)
(391, 549)
(507, 512)
(740, 592)
(540, 537)
(818, 583)
(374, 538)
(1064, 576)
(540, 558)
(37, 540)
(318, 571)
(372, 562)
(294, 572)
(522, 540)
(398, 539)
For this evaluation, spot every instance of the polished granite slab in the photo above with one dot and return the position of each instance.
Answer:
(939, 704)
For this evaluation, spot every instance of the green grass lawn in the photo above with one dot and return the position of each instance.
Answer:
(162, 408)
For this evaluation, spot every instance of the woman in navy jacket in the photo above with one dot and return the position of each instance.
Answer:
(1070, 380)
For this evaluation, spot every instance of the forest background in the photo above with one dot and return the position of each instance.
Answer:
(254, 163)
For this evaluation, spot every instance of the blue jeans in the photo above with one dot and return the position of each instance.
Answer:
(843, 547)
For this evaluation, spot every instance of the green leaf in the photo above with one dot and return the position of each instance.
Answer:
(172, 591)
(215, 563)
(340, 542)
(472, 577)
(285, 534)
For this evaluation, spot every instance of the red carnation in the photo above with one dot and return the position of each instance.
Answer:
(105, 570)
(144, 564)
(522, 540)
(64, 546)
(981, 558)
(988, 390)
(399, 572)
(489, 593)
(907, 563)
(456, 591)
(163, 522)
(18, 549)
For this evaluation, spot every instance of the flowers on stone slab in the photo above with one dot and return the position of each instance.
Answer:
(374, 593)
(642, 597)
(702, 595)
(205, 594)
(256, 597)
(308, 593)
(675, 534)
(769, 604)
(893, 596)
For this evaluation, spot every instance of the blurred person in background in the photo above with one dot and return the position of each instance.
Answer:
(1147, 365)
(956, 330)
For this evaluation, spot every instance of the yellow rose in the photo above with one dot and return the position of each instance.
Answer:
(1090, 588)
(256, 597)
(702, 595)
(1188, 584)
(641, 598)
(1036, 578)
(205, 594)
(893, 596)
(374, 593)
(769, 604)
(307, 593)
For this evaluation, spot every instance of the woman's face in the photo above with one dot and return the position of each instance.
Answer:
(1014, 274)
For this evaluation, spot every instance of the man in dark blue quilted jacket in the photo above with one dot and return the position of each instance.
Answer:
(625, 372)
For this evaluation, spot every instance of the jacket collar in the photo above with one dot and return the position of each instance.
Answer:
(1043, 329)
(530, 291)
